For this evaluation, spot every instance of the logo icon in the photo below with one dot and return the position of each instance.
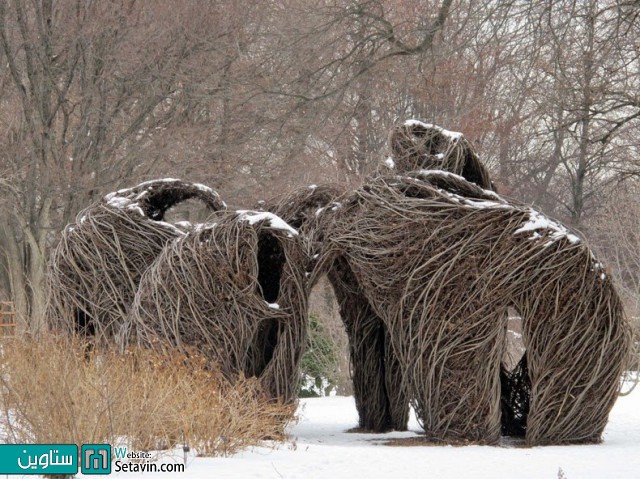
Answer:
(96, 459)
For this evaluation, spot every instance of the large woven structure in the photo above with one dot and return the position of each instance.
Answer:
(235, 289)
(383, 405)
(439, 260)
(424, 264)
(95, 269)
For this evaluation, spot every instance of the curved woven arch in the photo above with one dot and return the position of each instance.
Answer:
(94, 271)
(439, 269)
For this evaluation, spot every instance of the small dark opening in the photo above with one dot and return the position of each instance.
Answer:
(515, 384)
(84, 324)
(85, 327)
(472, 170)
(263, 347)
(270, 264)
(515, 391)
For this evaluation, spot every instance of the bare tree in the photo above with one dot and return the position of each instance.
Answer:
(568, 148)
(85, 87)
(616, 233)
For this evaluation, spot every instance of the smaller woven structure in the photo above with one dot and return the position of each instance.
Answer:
(94, 271)
(235, 290)
(421, 146)
(439, 261)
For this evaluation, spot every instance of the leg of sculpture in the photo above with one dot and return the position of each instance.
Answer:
(366, 334)
(397, 387)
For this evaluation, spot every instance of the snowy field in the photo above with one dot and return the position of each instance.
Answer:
(320, 447)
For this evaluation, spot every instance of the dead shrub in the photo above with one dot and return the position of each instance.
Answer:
(54, 391)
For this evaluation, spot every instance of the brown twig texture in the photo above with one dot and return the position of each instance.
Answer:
(235, 289)
(95, 269)
(435, 261)
(421, 146)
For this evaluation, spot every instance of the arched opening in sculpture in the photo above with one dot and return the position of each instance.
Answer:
(515, 383)
(270, 259)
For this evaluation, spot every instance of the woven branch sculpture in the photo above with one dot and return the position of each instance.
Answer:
(421, 146)
(424, 267)
(380, 408)
(235, 289)
(439, 260)
(95, 269)
(302, 209)
(414, 145)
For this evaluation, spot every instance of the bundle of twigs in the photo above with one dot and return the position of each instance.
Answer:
(421, 146)
(95, 269)
(302, 208)
(439, 260)
(305, 208)
(235, 289)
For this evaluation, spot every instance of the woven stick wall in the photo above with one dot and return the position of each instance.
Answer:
(95, 269)
(381, 406)
(302, 208)
(440, 260)
(235, 289)
(421, 146)
(379, 388)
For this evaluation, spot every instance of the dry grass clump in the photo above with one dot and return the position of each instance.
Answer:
(53, 391)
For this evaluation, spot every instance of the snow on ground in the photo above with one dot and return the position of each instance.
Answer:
(320, 447)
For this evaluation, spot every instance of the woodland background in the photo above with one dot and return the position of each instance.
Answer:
(255, 98)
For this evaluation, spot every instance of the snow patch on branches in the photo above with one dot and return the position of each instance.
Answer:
(538, 221)
(253, 217)
(453, 135)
